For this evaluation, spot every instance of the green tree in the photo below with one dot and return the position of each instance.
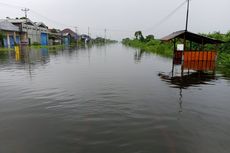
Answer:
(149, 38)
(139, 36)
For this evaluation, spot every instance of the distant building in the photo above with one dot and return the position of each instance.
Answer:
(37, 32)
(69, 36)
(55, 37)
(85, 38)
(9, 34)
(43, 33)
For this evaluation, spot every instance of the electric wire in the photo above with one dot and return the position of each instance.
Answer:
(166, 17)
(99, 29)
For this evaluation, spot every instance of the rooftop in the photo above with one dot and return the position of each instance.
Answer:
(200, 39)
(7, 26)
(15, 21)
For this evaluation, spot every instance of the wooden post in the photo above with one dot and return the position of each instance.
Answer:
(174, 45)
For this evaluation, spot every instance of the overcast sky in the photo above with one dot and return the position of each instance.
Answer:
(122, 17)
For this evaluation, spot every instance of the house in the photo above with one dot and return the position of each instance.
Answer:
(69, 36)
(55, 37)
(31, 32)
(85, 38)
(9, 34)
(43, 33)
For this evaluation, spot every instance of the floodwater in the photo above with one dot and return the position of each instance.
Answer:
(110, 99)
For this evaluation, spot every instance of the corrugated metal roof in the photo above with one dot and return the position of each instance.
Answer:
(40, 24)
(28, 21)
(69, 31)
(7, 26)
(191, 37)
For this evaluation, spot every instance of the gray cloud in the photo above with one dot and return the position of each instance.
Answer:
(122, 17)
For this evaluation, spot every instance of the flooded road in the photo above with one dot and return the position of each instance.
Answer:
(110, 99)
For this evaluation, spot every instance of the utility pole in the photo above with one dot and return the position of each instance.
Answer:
(88, 31)
(76, 30)
(26, 10)
(187, 16)
(105, 35)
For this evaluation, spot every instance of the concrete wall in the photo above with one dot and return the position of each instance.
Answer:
(34, 33)
(11, 39)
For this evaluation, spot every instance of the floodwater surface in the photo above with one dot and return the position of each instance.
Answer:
(109, 99)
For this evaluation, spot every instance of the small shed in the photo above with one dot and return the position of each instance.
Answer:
(192, 48)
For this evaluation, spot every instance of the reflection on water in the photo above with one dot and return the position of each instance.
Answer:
(188, 80)
(190, 74)
(103, 99)
(138, 55)
(25, 55)
(33, 56)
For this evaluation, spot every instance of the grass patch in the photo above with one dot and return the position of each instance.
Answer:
(153, 46)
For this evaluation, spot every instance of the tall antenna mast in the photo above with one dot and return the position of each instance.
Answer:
(25, 10)
(186, 28)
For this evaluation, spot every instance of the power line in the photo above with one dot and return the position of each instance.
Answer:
(51, 20)
(166, 17)
(56, 22)
(11, 5)
(97, 29)
(33, 12)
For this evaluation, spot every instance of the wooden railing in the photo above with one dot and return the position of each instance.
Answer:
(200, 55)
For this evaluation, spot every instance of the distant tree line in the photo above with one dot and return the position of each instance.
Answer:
(149, 44)
(100, 40)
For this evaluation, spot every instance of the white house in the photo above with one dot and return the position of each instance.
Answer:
(10, 35)
(35, 32)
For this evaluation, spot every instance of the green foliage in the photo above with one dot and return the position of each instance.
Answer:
(225, 47)
(150, 45)
(139, 36)
(36, 44)
(149, 38)
(100, 40)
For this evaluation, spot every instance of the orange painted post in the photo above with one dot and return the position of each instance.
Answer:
(197, 56)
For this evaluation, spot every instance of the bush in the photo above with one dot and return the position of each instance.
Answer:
(36, 44)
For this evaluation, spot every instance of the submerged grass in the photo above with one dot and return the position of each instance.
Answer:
(166, 50)
(154, 46)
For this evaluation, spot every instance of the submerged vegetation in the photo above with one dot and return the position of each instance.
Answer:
(150, 44)
(100, 40)
(223, 52)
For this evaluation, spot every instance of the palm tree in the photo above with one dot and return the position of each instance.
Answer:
(139, 36)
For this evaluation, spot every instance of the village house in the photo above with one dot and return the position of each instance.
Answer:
(31, 32)
(85, 38)
(69, 36)
(43, 33)
(55, 37)
(9, 34)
